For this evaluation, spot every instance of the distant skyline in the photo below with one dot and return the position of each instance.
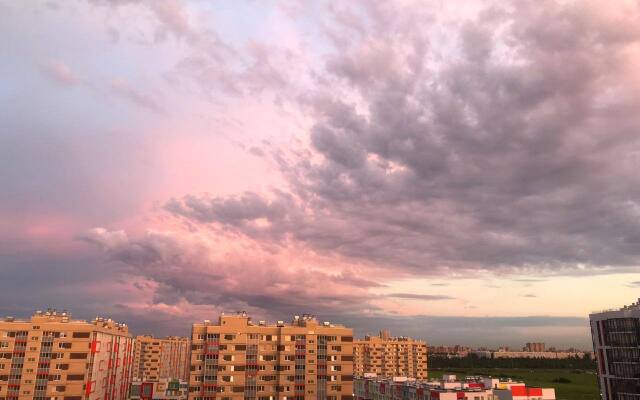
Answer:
(460, 173)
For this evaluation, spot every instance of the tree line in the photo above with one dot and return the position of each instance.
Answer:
(473, 361)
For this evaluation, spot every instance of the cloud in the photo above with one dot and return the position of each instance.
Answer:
(424, 297)
(59, 72)
(484, 154)
(126, 91)
(634, 284)
(475, 331)
(529, 295)
(186, 266)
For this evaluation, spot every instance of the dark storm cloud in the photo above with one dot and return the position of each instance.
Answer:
(487, 331)
(516, 149)
(187, 267)
(424, 297)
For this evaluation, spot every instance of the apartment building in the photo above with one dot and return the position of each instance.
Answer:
(616, 344)
(52, 356)
(237, 359)
(155, 359)
(384, 355)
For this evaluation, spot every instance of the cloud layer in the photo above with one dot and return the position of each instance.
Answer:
(353, 160)
(507, 149)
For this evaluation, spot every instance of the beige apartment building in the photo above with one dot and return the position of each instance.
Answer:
(52, 356)
(237, 359)
(155, 359)
(389, 356)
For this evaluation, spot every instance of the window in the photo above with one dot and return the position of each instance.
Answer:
(75, 377)
(81, 335)
(78, 356)
(229, 337)
(241, 347)
(64, 345)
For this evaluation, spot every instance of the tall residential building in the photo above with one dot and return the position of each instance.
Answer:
(390, 356)
(534, 347)
(237, 359)
(52, 356)
(616, 344)
(155, 359)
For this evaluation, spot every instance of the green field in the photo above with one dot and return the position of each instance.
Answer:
(583, 384)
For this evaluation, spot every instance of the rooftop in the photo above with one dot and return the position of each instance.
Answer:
(54, 316)
(240, 318)
(631, 310)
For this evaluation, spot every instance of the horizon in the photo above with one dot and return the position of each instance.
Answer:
(449, 172)
(359, 333)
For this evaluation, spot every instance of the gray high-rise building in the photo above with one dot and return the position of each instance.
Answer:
(616, 344)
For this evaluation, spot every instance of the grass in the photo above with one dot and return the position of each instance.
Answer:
(581, 385)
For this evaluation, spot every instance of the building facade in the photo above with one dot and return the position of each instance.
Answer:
(155, 359)
(616, 344)
(52, 356)
(384, 355)
(237, 359)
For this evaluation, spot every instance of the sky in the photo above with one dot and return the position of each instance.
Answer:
(460, 172)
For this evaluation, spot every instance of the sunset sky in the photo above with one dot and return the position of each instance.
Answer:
(463, 172)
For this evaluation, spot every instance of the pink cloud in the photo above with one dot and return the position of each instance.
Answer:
(200, 269)
(60, 72)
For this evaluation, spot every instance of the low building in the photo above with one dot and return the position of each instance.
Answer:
(52, 356)
(371, 387)
(616, 341)
(163, 389)
(390, 356)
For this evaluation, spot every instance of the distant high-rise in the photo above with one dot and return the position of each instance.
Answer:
(155, 359)
(534, 347)
(616, 343)
(390, 356)
(52, 356)
(237, 359)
